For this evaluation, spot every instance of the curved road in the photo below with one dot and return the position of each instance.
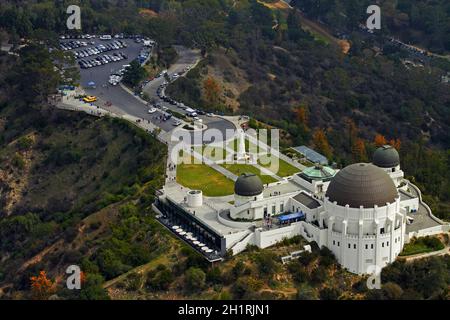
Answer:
(132, 105)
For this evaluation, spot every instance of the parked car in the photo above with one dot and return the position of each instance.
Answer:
(90, 99)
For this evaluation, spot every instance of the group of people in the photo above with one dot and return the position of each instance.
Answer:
(171, 167)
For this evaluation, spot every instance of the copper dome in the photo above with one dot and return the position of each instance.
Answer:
(362, 184)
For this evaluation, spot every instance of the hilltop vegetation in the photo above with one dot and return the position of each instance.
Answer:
(421, 22)
(78, 190)
(74, 189)
(259, 275)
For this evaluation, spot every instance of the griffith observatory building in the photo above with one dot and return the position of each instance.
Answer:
(364, 213)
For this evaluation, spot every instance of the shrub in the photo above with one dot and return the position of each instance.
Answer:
(195, 279)
(319, 275)
(238, 269)
(392, 291)
(266, 262)
(246, 288)
(298, 272)
(329, 294)
(305, 292)
(214, 275)
(161, 280)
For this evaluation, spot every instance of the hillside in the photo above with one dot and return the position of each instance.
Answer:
(66, 180)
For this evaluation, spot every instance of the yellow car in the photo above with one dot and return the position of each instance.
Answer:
(90, 99)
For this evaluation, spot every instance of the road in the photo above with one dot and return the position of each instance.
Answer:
(187, 57)
(132, 105)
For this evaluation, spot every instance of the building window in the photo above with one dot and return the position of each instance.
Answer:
(367, 246)
(395, 240)
(387, 244)
(382, 231)
(382, 244)
(354, 246)
(338, 243)
(273, 209)
(349, 245)
(334, 242)
(282, 207)
(371, 246)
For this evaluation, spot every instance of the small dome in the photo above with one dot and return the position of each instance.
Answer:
(318, 172)
(362, 184)
(386, 157)
(248, 185)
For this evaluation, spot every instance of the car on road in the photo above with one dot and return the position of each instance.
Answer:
(176, 122)
(152, 110)
(90, 99)
(210, 114)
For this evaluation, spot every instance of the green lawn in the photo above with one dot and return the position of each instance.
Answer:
(203, 177)
(214, 153)
(422, 245)
(239, 169)
(284, 168)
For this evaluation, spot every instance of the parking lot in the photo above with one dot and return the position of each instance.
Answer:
(95, 81)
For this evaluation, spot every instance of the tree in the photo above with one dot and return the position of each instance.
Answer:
(329, 294)
(34, 76)
(238, 269)
(266, 262)
(380, 140)
(92, 288)
(352, 132)
(162, 279)
(302, 115)
(396, 143)
(305, 292)
(134, 74)
(319, 275)
(327, 257)
(392, 291)
(212, 91)
(321, 142)
(246, 288)
(41, 286)
(359, 151)
(195, 279)
(214, 275)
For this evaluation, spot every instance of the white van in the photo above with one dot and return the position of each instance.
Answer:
(191, 112)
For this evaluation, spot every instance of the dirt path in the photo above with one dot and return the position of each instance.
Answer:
(162, 259)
